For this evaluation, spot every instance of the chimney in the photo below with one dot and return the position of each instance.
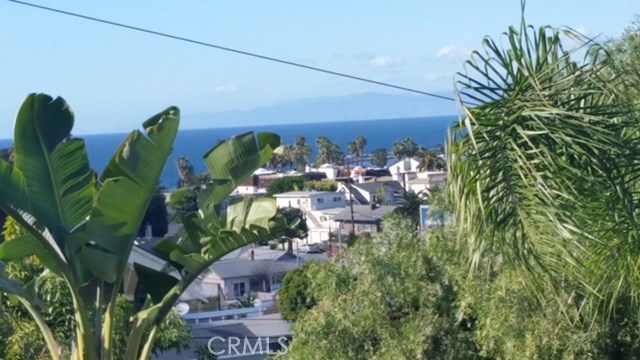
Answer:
(374, 206)
(148, 232)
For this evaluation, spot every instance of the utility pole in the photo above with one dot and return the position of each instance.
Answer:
(352, 230)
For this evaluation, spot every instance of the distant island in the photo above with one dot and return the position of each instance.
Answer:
(327, 109)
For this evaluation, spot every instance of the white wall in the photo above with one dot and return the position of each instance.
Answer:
(312, 202)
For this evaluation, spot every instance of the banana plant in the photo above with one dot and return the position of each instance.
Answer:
(81, 226)
(212, 232)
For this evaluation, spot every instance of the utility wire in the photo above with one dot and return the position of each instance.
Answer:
(224, 48)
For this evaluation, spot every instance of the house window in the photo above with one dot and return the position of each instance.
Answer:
(320, 201)
(276, 282)
(368, 228)
(336, 199)
(323, 218)
(239, 289)
(260, 284)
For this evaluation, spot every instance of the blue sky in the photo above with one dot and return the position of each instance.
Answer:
(115, 78)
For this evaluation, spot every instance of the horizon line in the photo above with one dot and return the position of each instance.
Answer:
(271, 124)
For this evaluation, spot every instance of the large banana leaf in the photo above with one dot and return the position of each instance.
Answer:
(208, 235)
(250, 212)
(56, 166)
(232, 162)
(14, 197)
(130, 180)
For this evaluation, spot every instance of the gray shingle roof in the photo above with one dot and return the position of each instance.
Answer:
(364, 213)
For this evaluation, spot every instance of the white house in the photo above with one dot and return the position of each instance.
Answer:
(321, 223)
(366, 193)
(310, 200)
(427, 181)
(330, 170)
(406, 166)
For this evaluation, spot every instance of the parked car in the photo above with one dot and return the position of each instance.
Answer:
(310, 248)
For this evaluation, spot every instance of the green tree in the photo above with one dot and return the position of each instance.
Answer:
(283, 160)
(296, 221)
(507, 323)
(356, 148)
(328, 152)
(379, 158)
(542, 168)
(156, 216)
(301, 152)
(410, 206)
(182, 202)
(186, 172)
(295, 297)
(404, 148)
(387, 298)
(316, 185)
(285, 184)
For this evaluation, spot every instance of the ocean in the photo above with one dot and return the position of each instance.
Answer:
(193, 144)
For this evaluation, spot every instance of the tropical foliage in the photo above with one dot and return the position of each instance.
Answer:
(386, 298)
(357, 148)
(286, 184)
(320, 185)
(328, 152)
(379, 158)
(541, 262)
(156, 217)
(404, 148)
(543, 167)
(182, 202)
(410, 203)
(295, 297)
(81, 227)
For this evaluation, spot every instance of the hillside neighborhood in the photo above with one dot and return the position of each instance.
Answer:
(243, 286)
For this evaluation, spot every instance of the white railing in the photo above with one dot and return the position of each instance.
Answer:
(228, 314)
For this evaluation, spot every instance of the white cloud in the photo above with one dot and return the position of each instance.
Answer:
(226, 88)
(452, 52)
(383, 62)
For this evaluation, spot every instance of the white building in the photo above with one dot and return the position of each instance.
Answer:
(330, 170)
(408, 166)
(310, 200)
(427, 181)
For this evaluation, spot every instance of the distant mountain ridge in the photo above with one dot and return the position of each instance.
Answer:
(362, 106)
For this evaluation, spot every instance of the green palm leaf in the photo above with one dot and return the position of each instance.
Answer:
(542, 169)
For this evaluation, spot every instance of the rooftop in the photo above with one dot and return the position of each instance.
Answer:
(364, 213)
(301, 194)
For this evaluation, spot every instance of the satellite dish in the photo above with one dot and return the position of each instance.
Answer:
(182, 308)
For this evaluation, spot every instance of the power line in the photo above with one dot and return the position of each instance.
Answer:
(228, 49)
